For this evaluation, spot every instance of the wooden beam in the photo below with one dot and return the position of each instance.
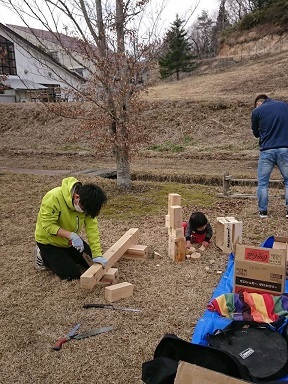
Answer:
(93, 274)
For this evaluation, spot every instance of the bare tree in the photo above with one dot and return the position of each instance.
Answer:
(111, 44)
(237, 9)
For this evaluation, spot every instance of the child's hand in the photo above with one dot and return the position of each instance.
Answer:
(188, 244)
(205, 244)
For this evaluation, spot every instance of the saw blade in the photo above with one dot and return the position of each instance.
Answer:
(93, 332)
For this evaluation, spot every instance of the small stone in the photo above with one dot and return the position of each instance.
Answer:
(207, 269)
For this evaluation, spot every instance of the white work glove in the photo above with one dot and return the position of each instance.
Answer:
(101, 260)
(77, 242)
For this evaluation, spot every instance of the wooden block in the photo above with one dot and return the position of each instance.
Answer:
(190, 250)
(93, 274)
(167, 221)
(118, 291)
(174, 199)
(111, 277)
(177, 249)
(177, 233)
(136, 252)
(228, 233)
(176, 216)
(195, 255)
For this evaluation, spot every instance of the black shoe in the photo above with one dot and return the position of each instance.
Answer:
(264, 215)
(286, 214)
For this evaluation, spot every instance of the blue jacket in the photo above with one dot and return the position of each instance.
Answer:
(270, 124)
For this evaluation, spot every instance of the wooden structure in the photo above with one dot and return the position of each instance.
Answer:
(228, 181)
(173, 221)
(93, 274)
(228, 233)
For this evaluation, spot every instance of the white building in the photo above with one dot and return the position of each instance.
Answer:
(32, 73)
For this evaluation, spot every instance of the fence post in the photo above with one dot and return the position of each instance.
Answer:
(226, 183)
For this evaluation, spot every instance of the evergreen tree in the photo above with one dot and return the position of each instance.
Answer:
(177, 56)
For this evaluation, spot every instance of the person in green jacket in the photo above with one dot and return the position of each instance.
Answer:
(64, 211)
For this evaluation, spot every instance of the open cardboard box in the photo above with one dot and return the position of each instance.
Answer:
(193, 374)
(260, 270)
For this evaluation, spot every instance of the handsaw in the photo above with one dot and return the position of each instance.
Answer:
(110, 306)
(78, 336)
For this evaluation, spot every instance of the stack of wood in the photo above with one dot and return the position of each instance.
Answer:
(126, 248)
(173, 221)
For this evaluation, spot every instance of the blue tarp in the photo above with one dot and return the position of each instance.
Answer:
(210, 321)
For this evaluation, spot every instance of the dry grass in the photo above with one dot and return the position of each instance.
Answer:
(37, 308)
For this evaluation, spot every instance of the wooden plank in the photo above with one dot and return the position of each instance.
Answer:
(177, 249)
(93, 274)
(174, 199)
(136, 252)
(118, 291)
(176, 216)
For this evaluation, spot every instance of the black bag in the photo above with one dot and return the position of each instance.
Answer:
(256, 346)
(171, 349)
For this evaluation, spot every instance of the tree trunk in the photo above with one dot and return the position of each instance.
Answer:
(123, 169)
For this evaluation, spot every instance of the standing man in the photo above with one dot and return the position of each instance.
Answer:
(63, 212)
(270, 124)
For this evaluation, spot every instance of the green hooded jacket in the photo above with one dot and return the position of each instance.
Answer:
(57, 211)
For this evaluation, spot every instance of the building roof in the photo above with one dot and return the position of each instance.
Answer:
(11, 33)
(16, 83)
(67, 42)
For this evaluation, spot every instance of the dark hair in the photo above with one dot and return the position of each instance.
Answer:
(91, 198)
(260, 97)
(198, 220)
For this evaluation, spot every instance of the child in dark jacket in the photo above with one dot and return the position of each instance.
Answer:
(198, 230)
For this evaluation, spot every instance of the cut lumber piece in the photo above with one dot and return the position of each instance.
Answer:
(136, 252)
(190, 250)
(174, 199)
(167, 221)
(195, 256)
(111, 277)
(93, 274)
(118, 291)
(177, 233)
(176, 216)
(177, 249)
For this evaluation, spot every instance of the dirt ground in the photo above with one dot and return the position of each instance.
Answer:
(38, 308)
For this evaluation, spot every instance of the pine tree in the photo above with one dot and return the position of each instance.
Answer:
(222, 23)
(177, 55)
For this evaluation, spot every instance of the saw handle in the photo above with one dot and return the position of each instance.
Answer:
(107, 306)
(57, 346)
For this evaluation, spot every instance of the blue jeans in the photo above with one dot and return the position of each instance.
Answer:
(267, 161)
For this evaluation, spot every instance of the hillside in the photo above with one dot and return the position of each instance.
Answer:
(204, 116)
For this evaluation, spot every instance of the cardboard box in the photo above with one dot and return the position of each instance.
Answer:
(260, 270)
(228, 233)
(193, 374)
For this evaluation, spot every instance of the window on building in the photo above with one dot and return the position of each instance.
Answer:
(7, 57)
(79, 71)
